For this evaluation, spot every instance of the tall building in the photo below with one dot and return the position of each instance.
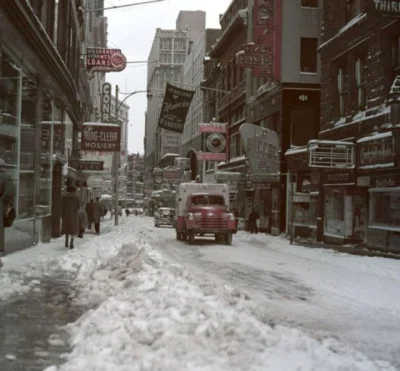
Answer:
(193, 75)
(169, 51)
(43, 95)
(279, 95)
(360, 55)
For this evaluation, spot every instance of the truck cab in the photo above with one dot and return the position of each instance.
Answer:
(203, 209)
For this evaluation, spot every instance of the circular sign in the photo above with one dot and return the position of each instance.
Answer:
(118, 61)
(216, 143)
(158, 179)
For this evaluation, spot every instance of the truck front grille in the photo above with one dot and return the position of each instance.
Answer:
(212, 222)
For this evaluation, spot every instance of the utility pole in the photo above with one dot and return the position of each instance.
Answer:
(116, 162)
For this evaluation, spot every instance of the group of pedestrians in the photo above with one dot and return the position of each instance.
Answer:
(76, 218)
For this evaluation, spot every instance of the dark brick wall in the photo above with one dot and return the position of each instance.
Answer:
(371, 38)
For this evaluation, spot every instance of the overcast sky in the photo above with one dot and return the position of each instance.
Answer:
(132, 29)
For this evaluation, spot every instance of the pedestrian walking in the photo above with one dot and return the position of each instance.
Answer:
(253, 217)
(89, 212)
(97, 214)
(127, 212)
(7, 211)
(83, 220)
(70, 205)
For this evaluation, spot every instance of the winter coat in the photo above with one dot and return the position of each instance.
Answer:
(253, 217)
(89, 211)
(70, 205)
(97, 212)
(83, 219)
(7, 189)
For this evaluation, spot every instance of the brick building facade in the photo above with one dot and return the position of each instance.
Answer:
(360, 57)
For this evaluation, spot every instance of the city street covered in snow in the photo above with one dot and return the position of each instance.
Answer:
(135, 298)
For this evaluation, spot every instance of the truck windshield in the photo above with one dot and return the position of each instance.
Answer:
(208, 201)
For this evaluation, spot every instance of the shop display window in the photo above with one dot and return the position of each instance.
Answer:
(9, 131)
(27, 149)
(385, 208)
(345, 212)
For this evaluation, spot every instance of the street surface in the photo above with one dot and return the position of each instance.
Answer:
(135, 298)
(353, 299)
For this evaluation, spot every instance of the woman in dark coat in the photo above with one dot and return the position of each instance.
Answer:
(70, 205)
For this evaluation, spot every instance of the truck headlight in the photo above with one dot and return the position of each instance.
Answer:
(190, 216)
(231, 217)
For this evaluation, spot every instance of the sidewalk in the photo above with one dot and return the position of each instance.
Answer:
(14, 247)
(359, 250)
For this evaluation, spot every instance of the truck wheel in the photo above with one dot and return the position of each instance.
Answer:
(228, 239)
(191, 238)
(217, 237)
(178, 236)
(183, 236)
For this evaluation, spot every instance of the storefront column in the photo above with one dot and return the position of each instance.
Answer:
(37, 162)
(320, 209)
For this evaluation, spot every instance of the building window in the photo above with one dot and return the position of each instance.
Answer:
(360, 84)
(353, 9)
(308, 55)
(385, 208)
(309, 3)
(342, 92)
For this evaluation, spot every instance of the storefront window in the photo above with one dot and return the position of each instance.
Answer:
(345, 212)
(43, 200)
(27, 149)
(385, 208)
(9, 131)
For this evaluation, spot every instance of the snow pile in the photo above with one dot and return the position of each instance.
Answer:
(150, 316)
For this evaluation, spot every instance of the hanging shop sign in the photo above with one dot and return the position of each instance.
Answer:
(105, 107)
(256, 57)
(105, 60)
(91, 165)
(214, 141)
(101, 137)
(376, 150)
(172, 175)
(390, 8)
(262, 149)
(182, 163)
(175, 108)
(158, 175)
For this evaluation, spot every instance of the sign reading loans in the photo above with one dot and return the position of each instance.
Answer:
(262, 149)
(105, 60)
(101, 137)
(175, 108)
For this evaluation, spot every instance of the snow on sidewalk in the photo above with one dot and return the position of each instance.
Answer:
(150, 315)
(20, 271)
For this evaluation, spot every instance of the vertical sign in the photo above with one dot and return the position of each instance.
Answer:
(106, 103)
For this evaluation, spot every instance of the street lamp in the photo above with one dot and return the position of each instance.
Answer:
(117, 155)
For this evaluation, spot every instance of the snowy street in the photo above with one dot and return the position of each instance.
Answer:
(160, 304)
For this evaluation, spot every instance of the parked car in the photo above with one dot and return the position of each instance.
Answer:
(164, 216)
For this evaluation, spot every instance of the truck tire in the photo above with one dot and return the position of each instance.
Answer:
(190, 237)
(228, 239)
(178, 236)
